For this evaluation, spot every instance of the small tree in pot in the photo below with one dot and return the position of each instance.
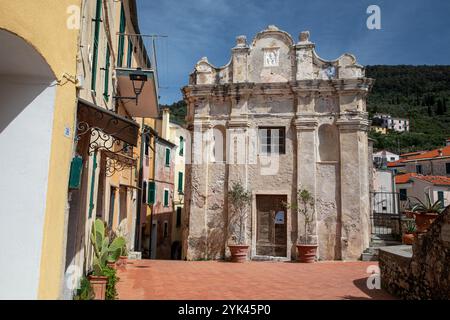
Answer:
(239, 200)
(304, 206)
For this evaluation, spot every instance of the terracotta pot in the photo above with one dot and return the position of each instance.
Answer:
(306, 252)
(122, 262)
(424, 221)
(98, 284)
(408, 238)
(238, 252)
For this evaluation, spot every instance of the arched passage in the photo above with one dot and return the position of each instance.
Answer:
(26, 117)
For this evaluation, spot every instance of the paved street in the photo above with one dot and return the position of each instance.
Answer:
(157, 279)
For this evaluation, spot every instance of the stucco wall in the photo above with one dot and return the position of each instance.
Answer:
(58, 46)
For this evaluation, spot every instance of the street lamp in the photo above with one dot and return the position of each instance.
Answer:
(138, 79)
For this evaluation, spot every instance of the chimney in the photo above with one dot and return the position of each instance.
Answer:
(440, 152)
(165, 123)
(447, 143)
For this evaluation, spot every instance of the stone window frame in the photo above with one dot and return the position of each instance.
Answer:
(281, 140)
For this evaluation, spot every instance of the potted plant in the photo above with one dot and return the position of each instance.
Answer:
(409, 234)
(85, 291)
(425, 212)
(239, 200)
(306, 251)
(104, 252)
(123, 258)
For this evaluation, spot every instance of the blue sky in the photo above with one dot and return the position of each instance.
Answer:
(412, 31)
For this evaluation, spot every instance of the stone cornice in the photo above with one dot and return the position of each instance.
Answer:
(305, 87)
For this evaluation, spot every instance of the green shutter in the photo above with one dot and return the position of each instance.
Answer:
(180, 182)
(75, 172)
(98, 14)
(167, 157)
(121, 37)
(166, 198)
(181, 146)
(130, 53)
(107, 64)
(151, 188)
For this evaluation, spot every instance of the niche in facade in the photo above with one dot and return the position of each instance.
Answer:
(217, 144)
(328, 143)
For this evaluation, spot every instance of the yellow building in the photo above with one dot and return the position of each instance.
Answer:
(379, 129)
(70, 121)
(38, 89)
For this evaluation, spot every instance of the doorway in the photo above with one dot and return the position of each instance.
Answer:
(271, 226)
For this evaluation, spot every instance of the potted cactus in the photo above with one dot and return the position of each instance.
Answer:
(306, 250)
(409, 234)
(239, 200)
(425, 212)
(104, 252)
(122, 232)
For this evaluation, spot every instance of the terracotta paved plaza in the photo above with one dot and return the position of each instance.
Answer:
(157, 279)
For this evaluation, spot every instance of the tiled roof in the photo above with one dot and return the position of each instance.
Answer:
(445, 152)
(396, 163)
(404, 178)
(436, 180)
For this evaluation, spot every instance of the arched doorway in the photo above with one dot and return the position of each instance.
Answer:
(27, 94)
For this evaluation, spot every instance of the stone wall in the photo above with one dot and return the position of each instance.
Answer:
(423, 270)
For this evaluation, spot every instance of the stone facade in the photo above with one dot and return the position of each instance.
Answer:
(420, 271)
(278, 118)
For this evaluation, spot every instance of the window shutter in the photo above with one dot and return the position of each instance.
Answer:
(75, 172)
(98, 14)
(121, 37)
(167, 157)
(166, 198)
(130, 53)
(151, 192)
(180, 182)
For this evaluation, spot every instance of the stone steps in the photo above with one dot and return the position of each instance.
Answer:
(371, 253)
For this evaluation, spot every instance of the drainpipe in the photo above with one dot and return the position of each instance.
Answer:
(139, 192)
(91, 193)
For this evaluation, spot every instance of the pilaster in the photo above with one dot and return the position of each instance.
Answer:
(355, 211)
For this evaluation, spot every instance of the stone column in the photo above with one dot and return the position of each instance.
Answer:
(306, 166)
(355, 203)
(237, 153)
(197, 185)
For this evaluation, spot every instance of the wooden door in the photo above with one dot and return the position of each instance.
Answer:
(271, 230)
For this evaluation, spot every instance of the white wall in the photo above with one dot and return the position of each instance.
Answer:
(26, 114)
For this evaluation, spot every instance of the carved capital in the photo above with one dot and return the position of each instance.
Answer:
(305, 124)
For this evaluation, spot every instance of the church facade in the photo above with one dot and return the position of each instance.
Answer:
(278, 119)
